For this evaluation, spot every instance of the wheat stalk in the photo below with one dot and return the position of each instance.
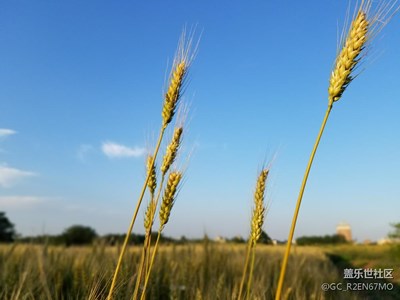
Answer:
(168, 160)
(168, 200)
(179, 70)
(363, 27)
(257, 221)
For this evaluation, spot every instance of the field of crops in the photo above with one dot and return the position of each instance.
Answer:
(194, 271)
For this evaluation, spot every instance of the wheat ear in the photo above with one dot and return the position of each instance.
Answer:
(173, 94)
(169, 197)
(363, 27)
(259, 208)
(172, 150)
(151, 170)
(348, 58)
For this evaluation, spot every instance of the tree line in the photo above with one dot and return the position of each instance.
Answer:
(83, 235)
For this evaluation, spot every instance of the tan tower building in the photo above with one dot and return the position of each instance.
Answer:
(344, 230)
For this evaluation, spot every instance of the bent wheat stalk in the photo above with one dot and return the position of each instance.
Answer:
(364, 26)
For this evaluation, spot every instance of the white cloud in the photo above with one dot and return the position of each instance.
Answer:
(115, 150)
(8, 176)
(4, 132)
(20, 201)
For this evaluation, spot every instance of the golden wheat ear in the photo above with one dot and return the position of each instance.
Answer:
(151, 170)
(366, 24)
(348, 58)
(183, 59)
(169, 197)
(172, 150)
(174, 92)
(259, 207)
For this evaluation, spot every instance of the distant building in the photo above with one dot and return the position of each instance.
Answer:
(220, 239)
(385, 241)
(344, 230)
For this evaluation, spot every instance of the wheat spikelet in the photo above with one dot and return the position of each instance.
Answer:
(259, 209)
(174, 91)
(151, 169)
(169, 197)
(148, 216)
(349, 57)
(172, 150)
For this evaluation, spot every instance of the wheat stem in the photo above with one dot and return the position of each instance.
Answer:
(128, 233)
(145, 266)
(148, 223)
(253, 256)
(298, 203)
(141, 268)
(151, 265)
(165, 210)
(246, 264)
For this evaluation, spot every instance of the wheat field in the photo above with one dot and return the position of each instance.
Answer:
(206, 270)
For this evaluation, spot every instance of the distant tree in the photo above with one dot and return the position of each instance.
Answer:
(321, 240)
(79, 235)
(7, 231)
(43, 239)
(264, 238)
(183, 240)
(237, 240)
(395, 234)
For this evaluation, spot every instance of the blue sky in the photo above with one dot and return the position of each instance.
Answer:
(81, 89)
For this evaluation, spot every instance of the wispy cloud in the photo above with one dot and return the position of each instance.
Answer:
(9, 176)
(83, 151)
(114, 150)
(4, 132)
(20, 201)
